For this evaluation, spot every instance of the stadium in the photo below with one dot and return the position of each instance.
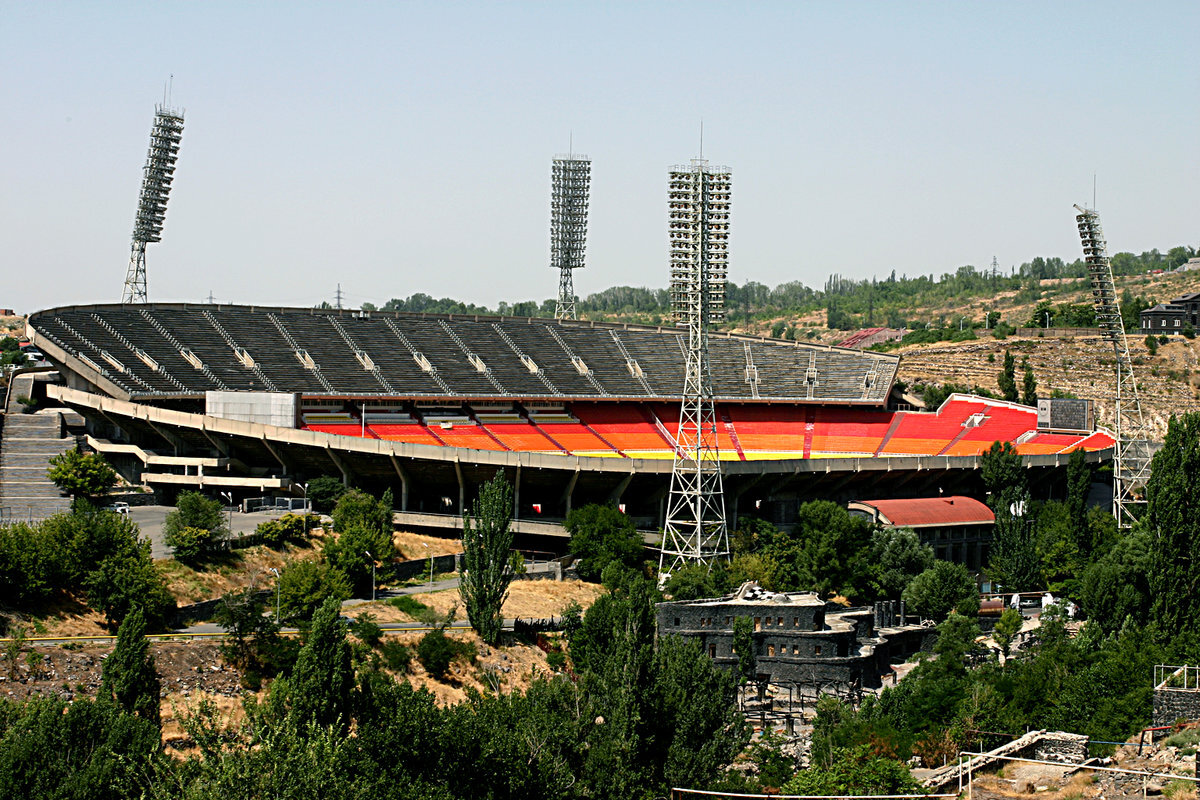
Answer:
(257, 401)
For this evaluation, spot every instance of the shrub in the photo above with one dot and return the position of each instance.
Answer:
(324, 492)
(414, 608)
(396, 655)
(288, 528)
(436, 650)
(304, 585)
(81, 474)
(367, 630)
(189, 543)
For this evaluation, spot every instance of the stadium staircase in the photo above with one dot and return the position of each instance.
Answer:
(28, 443)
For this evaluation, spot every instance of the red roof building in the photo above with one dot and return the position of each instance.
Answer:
(957, 528)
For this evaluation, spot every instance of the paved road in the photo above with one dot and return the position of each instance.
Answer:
(150, 520)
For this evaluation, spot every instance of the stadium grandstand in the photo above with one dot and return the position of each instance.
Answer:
(257, 401)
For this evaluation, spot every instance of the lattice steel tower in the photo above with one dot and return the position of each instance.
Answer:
(1131, 453)
(571, 177)
(698, 203)
(152, 204)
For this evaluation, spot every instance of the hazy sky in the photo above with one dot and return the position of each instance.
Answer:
(406, 147)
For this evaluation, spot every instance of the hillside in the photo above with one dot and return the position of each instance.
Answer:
(1168, 383)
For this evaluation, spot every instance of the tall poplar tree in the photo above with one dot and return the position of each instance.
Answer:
(129, 677)
(488, 563)
(1173, 520)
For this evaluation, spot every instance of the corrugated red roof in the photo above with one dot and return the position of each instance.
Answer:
(916, 512)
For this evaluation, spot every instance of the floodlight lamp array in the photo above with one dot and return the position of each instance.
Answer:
(698, 201)
(157, 175)
(571, 178)
(1104, 293)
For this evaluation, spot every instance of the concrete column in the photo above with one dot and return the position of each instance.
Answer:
(462, 489)
(517, 494)
(569, 492)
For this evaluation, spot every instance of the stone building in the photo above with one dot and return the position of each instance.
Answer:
(798, 638)
(1173, 317)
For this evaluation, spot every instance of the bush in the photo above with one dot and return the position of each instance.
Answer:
(367, 630)
(396, 655)
(275, 533)
(414, 608)
(435, 652)
(324, 492)
(304, 585)
(81, 474)
(601, 534)
(193, 527)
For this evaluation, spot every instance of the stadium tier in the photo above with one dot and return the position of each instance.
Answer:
(167, 350)
(963, 426)
(258, 401)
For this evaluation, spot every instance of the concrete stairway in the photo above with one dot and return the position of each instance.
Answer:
(28, 443)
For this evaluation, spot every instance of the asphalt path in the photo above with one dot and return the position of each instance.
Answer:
(150, 520)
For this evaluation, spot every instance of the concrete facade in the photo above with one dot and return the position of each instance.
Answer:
(798, 638)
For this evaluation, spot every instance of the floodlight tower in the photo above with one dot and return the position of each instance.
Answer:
(152, 204)
(571, 178)
(698, 201)
(1131, 453)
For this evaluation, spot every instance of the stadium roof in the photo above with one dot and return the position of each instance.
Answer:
(925, 512)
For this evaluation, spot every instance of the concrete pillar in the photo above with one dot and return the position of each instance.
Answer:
(462, 488)
(516, 511)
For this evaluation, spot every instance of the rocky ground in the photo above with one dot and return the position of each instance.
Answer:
(1022, 779)
(74, 671)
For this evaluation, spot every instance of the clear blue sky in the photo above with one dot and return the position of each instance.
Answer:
(406, 147)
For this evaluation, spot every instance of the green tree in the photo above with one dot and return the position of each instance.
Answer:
(601, 534)
(83, 750)
(488, 563)
(943, 588)
(357, 509)
(193, 527)
(364, 526)
(744, 646)
(81, 474)
(754, 567)
(827, 552)
(1173, 519)
(1008, 378)
(691, 582)
(129, 677)
(1003, 476)
(240, 613)
(1079, 486)
(1029, 387)
(127, 579)
(1007, 628)
(1152, 345)
(324, 493)
(321, 687)
(897, 556)
(305, 585)
(1116, 588)
(1013, 560)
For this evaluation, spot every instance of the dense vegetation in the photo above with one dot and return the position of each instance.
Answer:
(849, 304)
(627, 714)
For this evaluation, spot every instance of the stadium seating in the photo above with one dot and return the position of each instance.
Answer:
(313, 351)
(962, 427)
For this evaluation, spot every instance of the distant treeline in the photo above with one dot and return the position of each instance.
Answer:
(848, 303)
